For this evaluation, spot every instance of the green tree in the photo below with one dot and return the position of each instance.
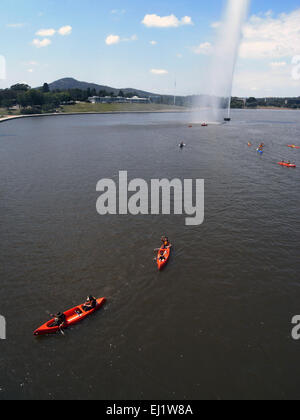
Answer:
(20, 87)
(46, 88)
(8, 103)
(251, 103)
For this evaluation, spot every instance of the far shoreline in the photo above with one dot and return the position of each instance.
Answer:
(68, 114)
(7, 118)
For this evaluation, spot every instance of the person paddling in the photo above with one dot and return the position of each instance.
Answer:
(162, 256)
(59, 319)
(166, 242)
(90, 304)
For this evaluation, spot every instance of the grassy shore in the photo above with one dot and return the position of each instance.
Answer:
(4, 113)
(86, 107)
(103, 108)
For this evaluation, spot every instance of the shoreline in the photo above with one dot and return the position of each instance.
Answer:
(167, 111)
(16, 117)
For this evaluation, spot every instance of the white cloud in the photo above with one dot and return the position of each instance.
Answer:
(116, 39)
(159, 72)
(272, 37)
(155, 21)
(31, 64)
(186, 20)
(132, 38)
(277, 82)
(41, 44)
(118, 12)
(278, 64)
(65, 30)
(153, 42)
(15, 25)
(204, 48)
(46, 32)
(215, 25)
(30, 70)
(112, 40)
(179, 55)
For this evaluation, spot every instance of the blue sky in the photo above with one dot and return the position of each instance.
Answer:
(108, 43)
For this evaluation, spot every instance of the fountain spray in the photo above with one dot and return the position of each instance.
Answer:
(212, 106)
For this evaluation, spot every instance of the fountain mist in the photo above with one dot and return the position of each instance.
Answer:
(213, 106)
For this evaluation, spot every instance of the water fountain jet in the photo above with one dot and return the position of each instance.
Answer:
(211, 107)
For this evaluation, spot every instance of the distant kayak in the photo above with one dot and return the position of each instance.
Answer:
(293, 146)
(162, 260)
(73, 316)
(204, 125)
(289, 165)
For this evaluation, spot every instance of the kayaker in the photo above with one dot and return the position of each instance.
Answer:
(90, 304)
(165, 241)
(162, 256)
(182, 145)
(59, 319)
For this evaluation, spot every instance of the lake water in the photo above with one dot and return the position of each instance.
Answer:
(215, 324)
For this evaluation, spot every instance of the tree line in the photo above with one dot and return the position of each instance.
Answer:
(35, 101)
(252, 103)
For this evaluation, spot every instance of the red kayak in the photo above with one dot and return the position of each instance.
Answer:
(73, 316)
(293, 146)
(289, 165)
(162, 262)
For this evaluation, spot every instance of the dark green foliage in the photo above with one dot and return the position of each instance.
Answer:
(47, 99)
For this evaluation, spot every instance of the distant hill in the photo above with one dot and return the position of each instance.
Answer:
(70, 83)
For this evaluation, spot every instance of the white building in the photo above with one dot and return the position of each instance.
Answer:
(118, 100)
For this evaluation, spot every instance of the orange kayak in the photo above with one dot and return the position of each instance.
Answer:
(289, 165)
(293, 146)
(73, 316)
(161, 263)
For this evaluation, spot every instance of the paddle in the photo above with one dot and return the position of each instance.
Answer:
(61, 330)
(59, 326)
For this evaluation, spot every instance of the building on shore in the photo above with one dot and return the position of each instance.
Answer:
(118, 100)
